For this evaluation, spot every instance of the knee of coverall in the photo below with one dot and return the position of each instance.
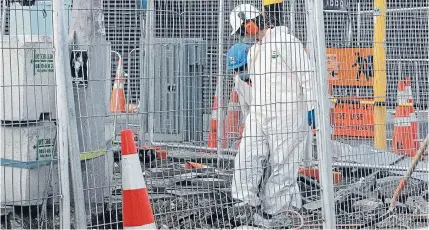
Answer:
(250, 164)
(287, 140)
(281, 189)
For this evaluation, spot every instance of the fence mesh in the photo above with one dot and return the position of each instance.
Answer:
(173, 59)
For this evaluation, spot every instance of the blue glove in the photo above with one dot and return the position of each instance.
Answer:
(311, 119)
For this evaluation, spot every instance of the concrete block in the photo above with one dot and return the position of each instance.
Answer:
(26, 155)
(27, 82)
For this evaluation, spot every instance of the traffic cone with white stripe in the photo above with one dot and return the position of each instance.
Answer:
(408, 96)
(136, 208)
(117, 100)
(405, 132)
(233, 124)
(212, 137)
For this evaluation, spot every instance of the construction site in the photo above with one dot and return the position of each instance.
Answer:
(131, 114)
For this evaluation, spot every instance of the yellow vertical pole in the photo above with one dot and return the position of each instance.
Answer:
(380, 81)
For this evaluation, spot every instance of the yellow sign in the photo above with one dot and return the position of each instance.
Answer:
(269, 2)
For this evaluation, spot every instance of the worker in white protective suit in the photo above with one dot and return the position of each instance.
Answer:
(275, 133)
(236, 60)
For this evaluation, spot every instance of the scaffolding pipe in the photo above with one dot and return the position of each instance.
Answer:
(61, 76)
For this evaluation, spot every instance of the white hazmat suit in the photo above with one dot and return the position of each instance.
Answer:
(244, 92)
(275, 133)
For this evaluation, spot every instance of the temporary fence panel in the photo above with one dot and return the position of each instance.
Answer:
(30, 189)
(158, 63)
(372, 174)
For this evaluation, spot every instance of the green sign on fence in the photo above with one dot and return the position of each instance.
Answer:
(44, 149)
(43, 62)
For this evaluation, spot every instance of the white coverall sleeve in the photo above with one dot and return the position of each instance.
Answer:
(296, 58)
(244, 92)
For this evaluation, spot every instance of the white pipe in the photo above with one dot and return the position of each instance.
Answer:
(382, 167)
(61, 50)
(292, 17)
(150, 14)
(193, 147)
(323, 137)
(220, 77)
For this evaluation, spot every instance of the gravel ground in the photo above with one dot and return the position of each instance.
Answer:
(180, 203)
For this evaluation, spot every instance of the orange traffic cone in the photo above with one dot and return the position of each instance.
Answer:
(136, 209)
(405, 132)
(233, 124)
(408, 97)
(117, 101)
(212, 137)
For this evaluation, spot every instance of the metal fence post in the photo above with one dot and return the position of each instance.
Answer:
(323, 136)
(220, 77)
(61, 50)
(150, 14)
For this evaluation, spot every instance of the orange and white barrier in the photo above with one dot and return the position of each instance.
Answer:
(136, 208)
(117, 100)
(212, 137)
(405, 132)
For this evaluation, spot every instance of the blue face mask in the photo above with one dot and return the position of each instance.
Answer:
(244, 76)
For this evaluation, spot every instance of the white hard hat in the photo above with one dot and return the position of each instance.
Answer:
(249, 11)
